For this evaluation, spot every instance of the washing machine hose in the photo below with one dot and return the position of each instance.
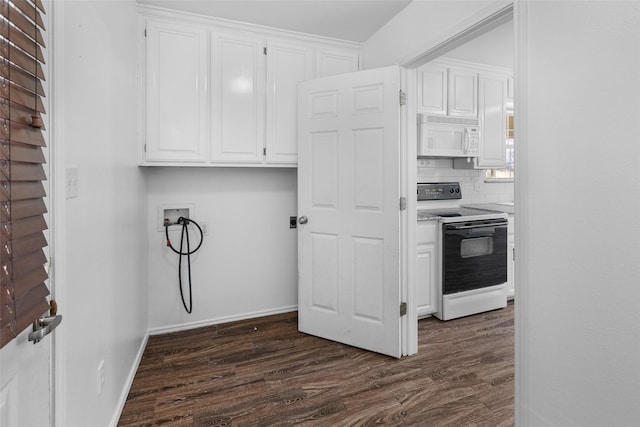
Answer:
(184, 236)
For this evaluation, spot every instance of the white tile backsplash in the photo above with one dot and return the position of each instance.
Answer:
(472, 182)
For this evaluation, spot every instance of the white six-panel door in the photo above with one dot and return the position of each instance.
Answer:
(348, 192)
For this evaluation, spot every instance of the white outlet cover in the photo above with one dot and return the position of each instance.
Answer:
(71, 182)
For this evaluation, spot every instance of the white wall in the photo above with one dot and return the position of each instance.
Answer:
(101, 265)
(579, 210)
(421, 25)
(247, 265)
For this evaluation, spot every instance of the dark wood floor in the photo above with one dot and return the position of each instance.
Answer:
(262, 372)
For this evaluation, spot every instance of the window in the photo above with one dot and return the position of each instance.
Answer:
(508, 172)
(23, 292)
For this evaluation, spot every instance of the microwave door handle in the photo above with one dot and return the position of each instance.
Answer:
(466, 140)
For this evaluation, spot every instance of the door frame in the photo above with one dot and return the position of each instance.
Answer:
(57, 226)
(487, 19)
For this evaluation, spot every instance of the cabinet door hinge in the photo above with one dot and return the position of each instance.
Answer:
(403, 98)
(264, 50)
(403, 309)
(403, 203)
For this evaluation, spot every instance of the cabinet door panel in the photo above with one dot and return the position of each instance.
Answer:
(238, 99)
(432, 89)
(463, 93)
(426, 279)
(492, 121)
(176, 93)
(287, 65)
(332, 62)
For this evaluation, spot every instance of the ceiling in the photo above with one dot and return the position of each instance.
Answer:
(354, 20)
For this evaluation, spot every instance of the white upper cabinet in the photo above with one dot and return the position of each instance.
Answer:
(220, 93)
(287, 65)
(237, 102)
(493, 114)
(176, 108)
(432, 89)
(463, 93)
(330, 62)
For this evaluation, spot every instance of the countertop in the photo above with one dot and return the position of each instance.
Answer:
(505, 207)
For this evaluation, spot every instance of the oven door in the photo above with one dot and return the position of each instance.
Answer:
(474, 255)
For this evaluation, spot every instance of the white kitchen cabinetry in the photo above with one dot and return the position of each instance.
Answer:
(287, 65)
(462, 93)
(330, 62)
(219, 93)
(493, 114)
(176, 113)
(511, 261)
(426, 268)
(238, 99)
(432, 89)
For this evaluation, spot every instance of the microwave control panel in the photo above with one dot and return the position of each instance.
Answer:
(473, 134)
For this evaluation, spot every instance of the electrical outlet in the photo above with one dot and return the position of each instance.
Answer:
(100, 377)
(205, 228)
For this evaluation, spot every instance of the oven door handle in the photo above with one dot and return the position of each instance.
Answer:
(464, 227)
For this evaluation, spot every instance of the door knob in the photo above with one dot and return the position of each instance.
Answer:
(303, 220)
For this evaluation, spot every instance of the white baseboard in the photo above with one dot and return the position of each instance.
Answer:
(219, 320)
(127, 385)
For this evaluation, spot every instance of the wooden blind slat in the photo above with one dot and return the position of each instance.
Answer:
(21, 96)
(21, 133)
(21, 190)
(20, 77)
(6, 315)
(23, 283)
(31, 243)
(8, 332)
(6, 294)
(23, 153)
(28, 9)
(28, 263)
(22, 40)
(21, 59)
(15, 210)
(22, 227)
(19, 20)
(26, 172)
(31, 308)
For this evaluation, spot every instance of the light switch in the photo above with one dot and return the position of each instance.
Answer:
(71, 182)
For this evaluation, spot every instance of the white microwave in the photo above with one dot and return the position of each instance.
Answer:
(442, 136)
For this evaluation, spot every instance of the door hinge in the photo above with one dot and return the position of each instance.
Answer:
(145, 148)
(145, 32)
(403, 203)
(403, 309)
(264, 50)
(403, 98)
(264, 151)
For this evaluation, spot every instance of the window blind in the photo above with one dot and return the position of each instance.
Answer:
(23, 291)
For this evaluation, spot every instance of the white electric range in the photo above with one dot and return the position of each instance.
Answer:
(471, 252)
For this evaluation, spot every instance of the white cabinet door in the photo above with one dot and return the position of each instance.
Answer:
(462, 93)
(426, 268)
(287, 65)
(330, 62)
(492, 121)
(176, 93)
(348, 192)
(432, 89)
(237, 119)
